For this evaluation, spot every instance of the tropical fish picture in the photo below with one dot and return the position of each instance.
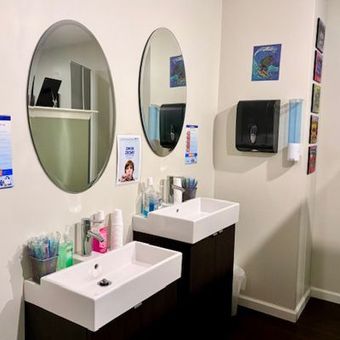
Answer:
(266, 62)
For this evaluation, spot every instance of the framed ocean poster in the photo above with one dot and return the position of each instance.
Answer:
(266, 62)
(313, 129)
(316, 98)
(177, 71)
(317, 66)
(311, 159)
(320, 35)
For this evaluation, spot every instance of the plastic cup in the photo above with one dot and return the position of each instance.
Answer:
(117, 217)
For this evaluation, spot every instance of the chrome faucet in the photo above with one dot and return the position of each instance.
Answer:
(87, 235)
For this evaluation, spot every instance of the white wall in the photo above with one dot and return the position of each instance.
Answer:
(35, 205)
(273, 234)
(326, 232)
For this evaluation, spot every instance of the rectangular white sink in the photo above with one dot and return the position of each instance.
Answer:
(190, 221)
(136, 272)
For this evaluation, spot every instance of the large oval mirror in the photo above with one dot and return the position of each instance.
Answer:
(71, 108)
(162, 91)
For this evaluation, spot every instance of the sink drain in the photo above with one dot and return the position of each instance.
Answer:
(104, 283)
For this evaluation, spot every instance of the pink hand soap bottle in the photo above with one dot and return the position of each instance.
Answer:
(98, 222)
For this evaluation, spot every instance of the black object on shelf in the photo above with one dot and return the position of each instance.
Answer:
(49, 95)
(171, 119)
(257, 125)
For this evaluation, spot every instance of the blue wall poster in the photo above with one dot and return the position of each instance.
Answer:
(191, 144)
(6, 170)
(266, 62)
(128, 159)
(177, 71)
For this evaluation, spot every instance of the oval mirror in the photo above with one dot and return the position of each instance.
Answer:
(162, 91)
(71, 108)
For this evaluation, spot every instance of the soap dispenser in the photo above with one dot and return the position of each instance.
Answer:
(150, 199)
(98, 223)
(65, 257)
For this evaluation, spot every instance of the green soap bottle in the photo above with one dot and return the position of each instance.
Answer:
(65, 258)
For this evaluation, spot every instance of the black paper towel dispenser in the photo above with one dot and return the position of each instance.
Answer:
(257, 125)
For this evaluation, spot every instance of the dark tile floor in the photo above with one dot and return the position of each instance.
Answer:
(319, 320)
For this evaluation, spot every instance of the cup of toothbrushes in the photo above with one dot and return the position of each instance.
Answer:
(190, 188)
(43, 252)
(44, 267)
(188, 194)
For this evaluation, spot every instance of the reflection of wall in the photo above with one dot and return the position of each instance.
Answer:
(35, 204)
(164, 46)
(68, 149)
(273, 235)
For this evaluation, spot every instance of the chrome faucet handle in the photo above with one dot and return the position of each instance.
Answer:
(176, 187)
(87, 235)
(95, 235)
(86, 244)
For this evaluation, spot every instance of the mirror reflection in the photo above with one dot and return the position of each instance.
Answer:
(71, 107)
(162, 91)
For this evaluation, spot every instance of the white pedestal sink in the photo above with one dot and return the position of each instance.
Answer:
(190, 221)
(136, 272)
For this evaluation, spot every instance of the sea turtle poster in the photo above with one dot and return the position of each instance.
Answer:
(266, 62)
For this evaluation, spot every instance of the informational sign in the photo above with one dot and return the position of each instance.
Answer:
(6, 171)
(191, 145)
(129, 159)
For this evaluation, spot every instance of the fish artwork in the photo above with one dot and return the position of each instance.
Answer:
(266, 62)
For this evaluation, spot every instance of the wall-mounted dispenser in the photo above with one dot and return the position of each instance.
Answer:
(294, 129)
(257, 125)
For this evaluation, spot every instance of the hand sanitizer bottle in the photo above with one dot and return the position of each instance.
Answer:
(65, 257)
(98, 221)
(150, 199)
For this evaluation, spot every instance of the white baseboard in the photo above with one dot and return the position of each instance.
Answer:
(302, 304)
(275, 310)
(325, 295)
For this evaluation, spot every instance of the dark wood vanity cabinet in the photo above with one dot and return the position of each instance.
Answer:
(205, 288)
(145, 321)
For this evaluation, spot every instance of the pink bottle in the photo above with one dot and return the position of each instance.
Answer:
(98, 222)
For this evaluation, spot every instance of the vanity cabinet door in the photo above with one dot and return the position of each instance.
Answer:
(158, 315)
(205, 287)
(41, 324)
(224, 265)
(147, 320)
(202, 266)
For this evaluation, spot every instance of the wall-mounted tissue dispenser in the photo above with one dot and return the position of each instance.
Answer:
(257, 125)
